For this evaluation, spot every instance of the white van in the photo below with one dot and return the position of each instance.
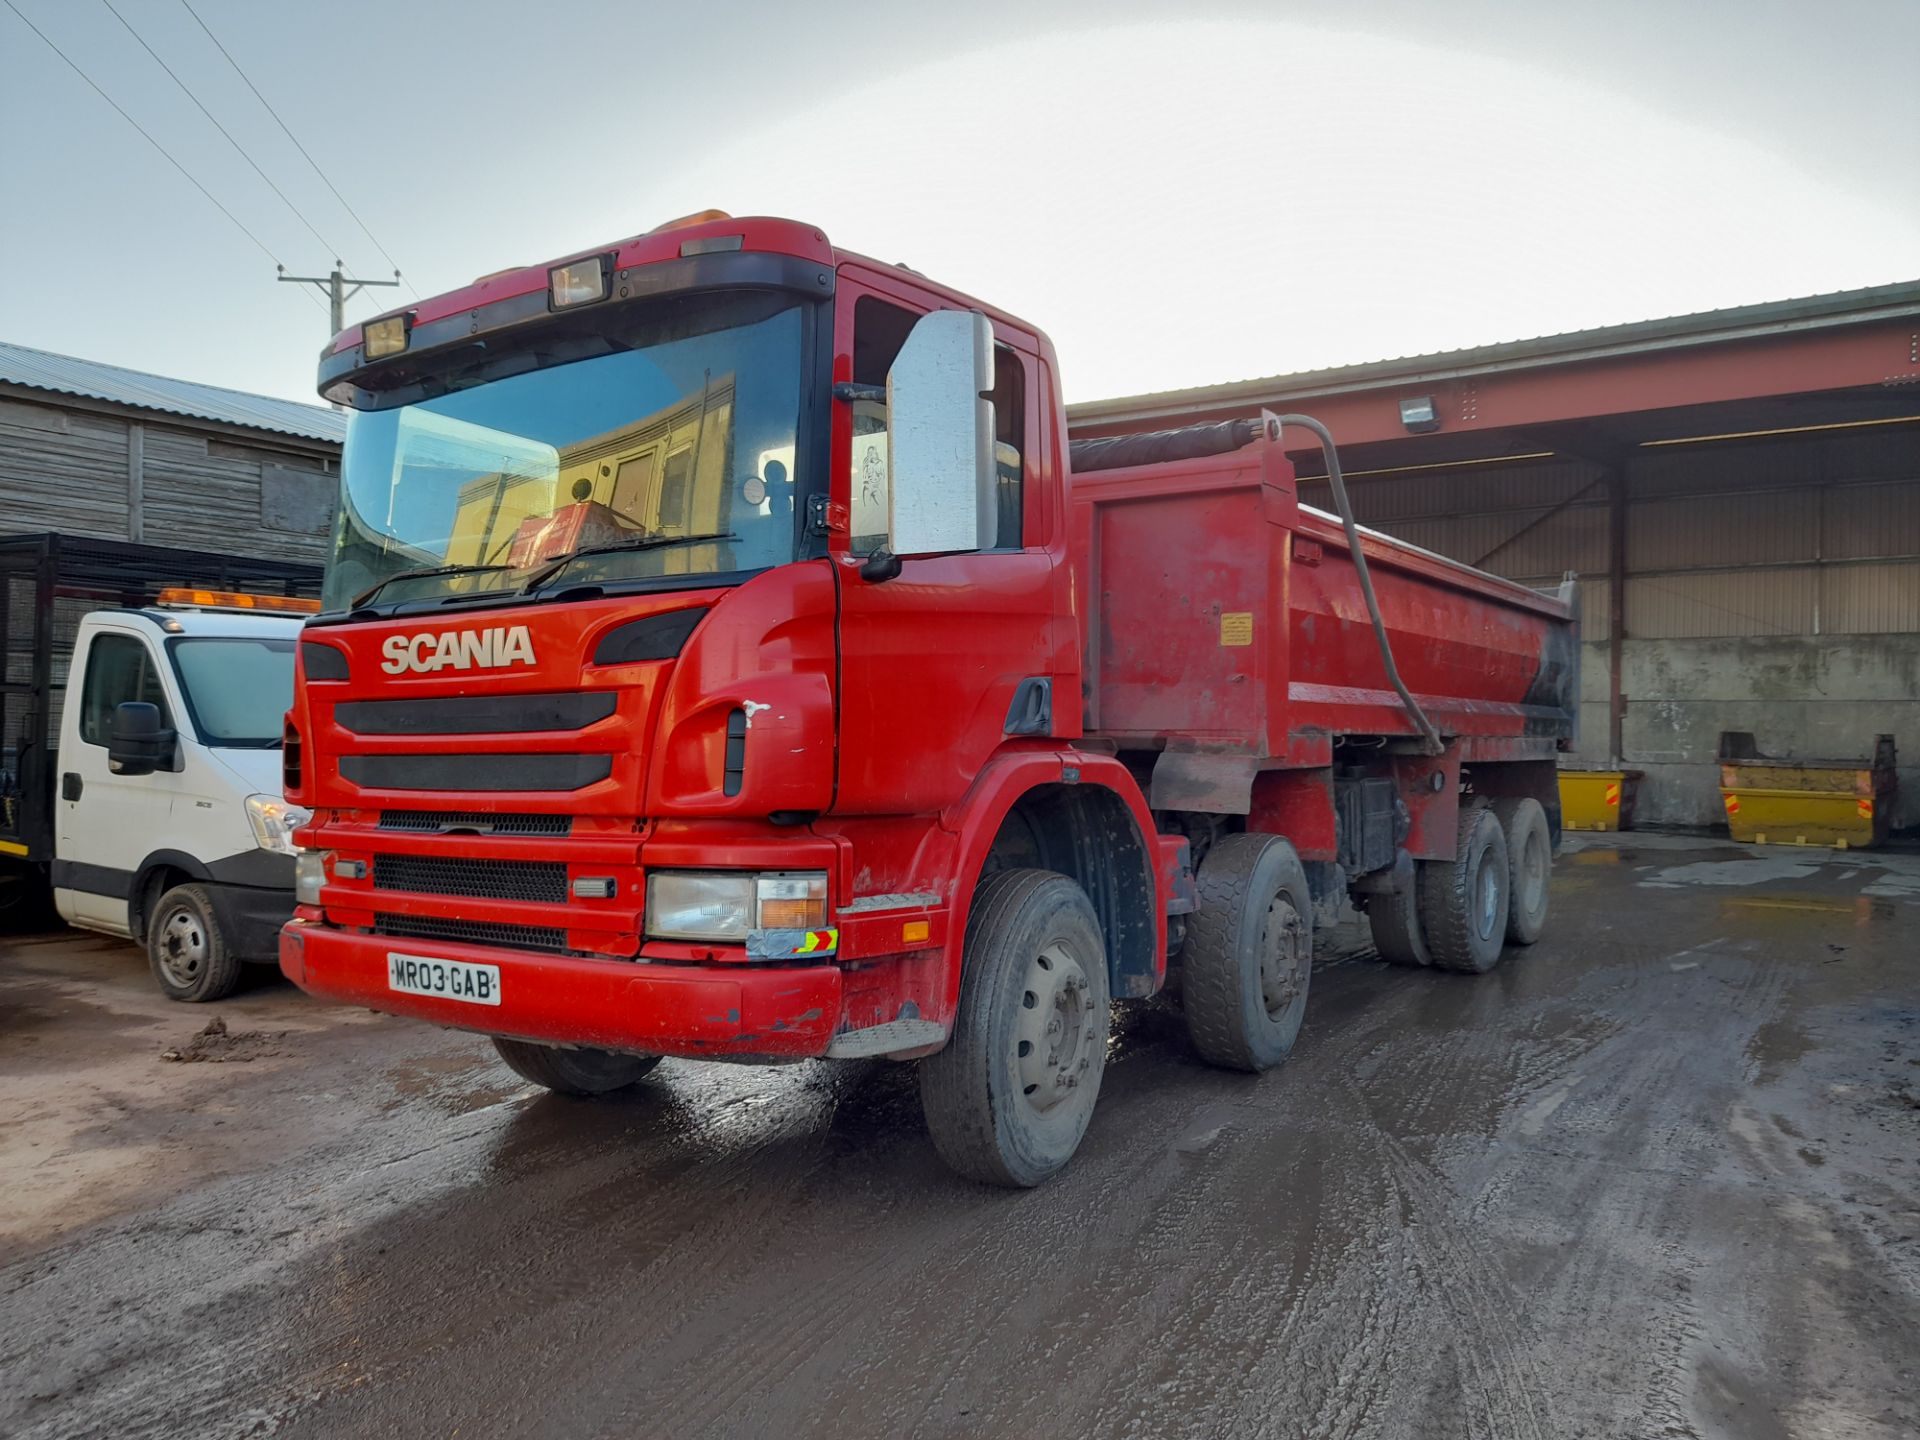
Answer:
(169, 826)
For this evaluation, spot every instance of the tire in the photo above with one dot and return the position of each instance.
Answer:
(1008, 1100)
(1248, 959)
(1394, 919)
(187, 952)
(1529, 867)
(584, 1071)
(1463, 901)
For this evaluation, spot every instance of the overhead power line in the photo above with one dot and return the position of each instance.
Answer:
(238, 149)
(296, 141)
(166, 154)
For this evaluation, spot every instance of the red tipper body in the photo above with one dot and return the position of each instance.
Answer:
(1149, 656)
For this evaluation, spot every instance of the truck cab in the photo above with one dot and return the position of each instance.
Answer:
(169, 826)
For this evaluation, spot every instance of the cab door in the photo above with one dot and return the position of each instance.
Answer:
(105, 825)
(931, 658)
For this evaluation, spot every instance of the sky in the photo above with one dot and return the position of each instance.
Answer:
(1246, 190)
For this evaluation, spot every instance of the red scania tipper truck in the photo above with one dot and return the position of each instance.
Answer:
(727, 654)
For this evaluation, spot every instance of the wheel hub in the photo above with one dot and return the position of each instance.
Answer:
(183, 948)
(1054, 1041)
(1284, 956)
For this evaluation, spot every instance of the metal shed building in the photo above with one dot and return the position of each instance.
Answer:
(114, 454)
(1738, 491)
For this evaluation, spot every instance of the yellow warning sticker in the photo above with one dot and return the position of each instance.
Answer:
(1236, 627)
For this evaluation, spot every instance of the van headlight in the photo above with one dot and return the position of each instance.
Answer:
(726, 905)
(309, 874)
(274, 822)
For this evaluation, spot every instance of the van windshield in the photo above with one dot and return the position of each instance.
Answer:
(237, 689)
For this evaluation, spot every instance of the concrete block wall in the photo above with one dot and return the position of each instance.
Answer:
(1803, 696)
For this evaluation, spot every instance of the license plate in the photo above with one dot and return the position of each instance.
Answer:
(443, 979)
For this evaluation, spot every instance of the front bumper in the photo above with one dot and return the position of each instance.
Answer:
(739, 1011)
(251, 917)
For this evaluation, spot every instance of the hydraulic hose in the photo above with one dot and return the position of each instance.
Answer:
(1434, 744)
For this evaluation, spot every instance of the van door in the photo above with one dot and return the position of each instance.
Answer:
(105, 825)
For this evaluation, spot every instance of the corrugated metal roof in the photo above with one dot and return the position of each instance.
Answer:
(67, 375)
(1839, 307)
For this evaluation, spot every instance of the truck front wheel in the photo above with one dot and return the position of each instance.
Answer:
(583, 1071)
(1010, 1096)
(1249, 954)
(1463, 901)
(189, 955)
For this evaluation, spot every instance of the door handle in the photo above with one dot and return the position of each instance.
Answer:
(70, 786)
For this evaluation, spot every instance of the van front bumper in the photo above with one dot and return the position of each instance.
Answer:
(760, 1011)
(250, 918)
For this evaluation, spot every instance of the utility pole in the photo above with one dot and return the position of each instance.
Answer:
(335, 286)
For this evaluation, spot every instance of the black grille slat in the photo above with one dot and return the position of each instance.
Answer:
(475, 714)
(535, 881)
(472, 932)
(475, 771)
(440, 822)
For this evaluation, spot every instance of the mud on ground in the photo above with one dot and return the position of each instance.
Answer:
(1656, 1177)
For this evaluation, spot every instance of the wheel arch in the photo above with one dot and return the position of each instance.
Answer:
(159, 873)
(1082, 816)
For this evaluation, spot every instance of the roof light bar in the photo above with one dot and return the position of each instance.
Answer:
(186, 599)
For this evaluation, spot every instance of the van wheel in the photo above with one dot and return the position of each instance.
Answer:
(1394, 919)
(583, 1071)
(1008, 1100)
(1249, 953)
(1529, 867)
(189, 955)
(1463, 901)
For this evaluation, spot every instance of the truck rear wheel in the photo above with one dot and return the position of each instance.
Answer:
(584, 1071)
(1249, 953)
(189, 956)
(1009, 1098)
(1529, 867)
(1394, 918)
(1463, 901)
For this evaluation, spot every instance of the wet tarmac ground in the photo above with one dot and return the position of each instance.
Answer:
(1657, 1177)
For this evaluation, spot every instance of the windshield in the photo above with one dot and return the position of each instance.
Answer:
(237, 690)
(660, 444)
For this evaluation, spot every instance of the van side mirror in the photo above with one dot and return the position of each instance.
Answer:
(137, 743)
(941, 482)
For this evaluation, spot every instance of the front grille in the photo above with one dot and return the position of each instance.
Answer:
(475, 714)
(541, 881)
(480, 822)
(449, 771)
(472, 932)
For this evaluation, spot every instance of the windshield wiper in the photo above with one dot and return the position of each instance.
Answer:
(374, 589)
(650, 542)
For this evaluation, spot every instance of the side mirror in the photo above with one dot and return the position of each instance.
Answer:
(137, 743)
(940, 464)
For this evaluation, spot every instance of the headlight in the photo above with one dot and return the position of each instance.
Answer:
(274, 822)
(717, 905)
(699, 905)
(309, 874)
